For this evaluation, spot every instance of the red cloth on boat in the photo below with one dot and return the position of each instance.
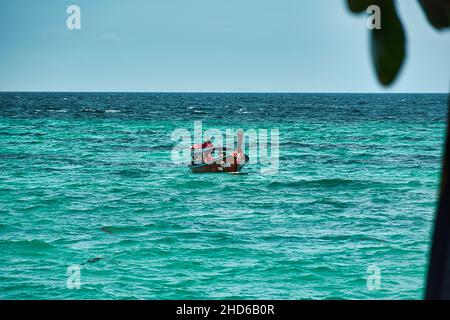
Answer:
(204, 145)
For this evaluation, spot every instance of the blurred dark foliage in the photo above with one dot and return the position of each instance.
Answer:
(388, 44)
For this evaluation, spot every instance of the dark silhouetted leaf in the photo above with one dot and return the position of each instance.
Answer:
(388, 43)
(358, 6)
(438, 12)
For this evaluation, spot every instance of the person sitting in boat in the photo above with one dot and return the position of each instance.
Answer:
(205, 149)
(207, 157)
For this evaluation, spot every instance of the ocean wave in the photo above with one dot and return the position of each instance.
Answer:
(132, 173)
(352, 238)
(32, 244)
(92, 260)
(335, 203)
(123, 229)
(276, 185)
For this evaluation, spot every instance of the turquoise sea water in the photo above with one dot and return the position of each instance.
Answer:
(88, 180)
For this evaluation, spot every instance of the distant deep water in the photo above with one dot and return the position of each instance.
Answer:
(87, 179)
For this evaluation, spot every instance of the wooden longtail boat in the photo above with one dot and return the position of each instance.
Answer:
(207, 159)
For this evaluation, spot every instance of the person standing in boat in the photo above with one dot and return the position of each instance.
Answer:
(238, 153)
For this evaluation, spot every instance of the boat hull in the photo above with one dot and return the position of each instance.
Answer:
(229, 164)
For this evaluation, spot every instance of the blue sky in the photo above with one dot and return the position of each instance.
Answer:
(208, 45)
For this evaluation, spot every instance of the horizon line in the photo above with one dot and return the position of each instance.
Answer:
(227, 92)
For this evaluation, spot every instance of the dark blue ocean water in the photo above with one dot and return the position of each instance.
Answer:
(87, 180)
